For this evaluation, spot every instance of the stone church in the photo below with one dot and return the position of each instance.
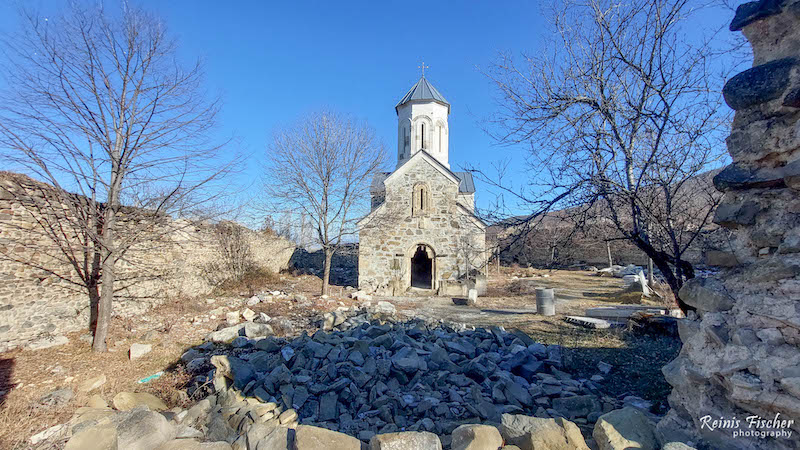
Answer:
(422, 233)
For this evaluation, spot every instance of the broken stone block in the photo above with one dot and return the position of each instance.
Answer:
(624, 428)
(139, 350)
(408, 440)
(476, 437)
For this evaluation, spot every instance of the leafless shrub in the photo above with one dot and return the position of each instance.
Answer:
(234, 257)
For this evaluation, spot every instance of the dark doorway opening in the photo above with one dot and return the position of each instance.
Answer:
(421, 269)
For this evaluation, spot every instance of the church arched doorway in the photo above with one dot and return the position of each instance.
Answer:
(422, 268)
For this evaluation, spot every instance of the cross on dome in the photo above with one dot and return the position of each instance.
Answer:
(423, 67)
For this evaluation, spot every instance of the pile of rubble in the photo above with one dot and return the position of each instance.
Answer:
(383, 378)
(365, 375)
(364, 380)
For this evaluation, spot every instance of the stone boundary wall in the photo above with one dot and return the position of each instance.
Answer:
(741, 350)
(40, 294)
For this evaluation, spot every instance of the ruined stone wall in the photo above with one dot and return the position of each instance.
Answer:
(741, 351)
(41, 295)
(387, 242)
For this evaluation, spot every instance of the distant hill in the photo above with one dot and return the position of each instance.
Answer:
(552, 240)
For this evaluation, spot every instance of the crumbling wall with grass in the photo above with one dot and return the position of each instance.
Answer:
(41, 295)
(741, 350)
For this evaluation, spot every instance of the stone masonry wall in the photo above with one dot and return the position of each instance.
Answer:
(41, 295)
(388, 241)
(741, 351)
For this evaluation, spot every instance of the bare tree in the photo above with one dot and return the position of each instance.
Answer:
(322, 168)
(235, 256)
(621, 114)
(99, 105)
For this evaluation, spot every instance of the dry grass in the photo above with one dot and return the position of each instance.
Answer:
(31, 374)
(253, 281)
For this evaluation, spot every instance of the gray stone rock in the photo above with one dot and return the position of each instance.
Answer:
(534, 433)
(758, 84)
(385, 308)
(623, 429)
(139, 350)
(47, 342)
(734, 215)
(313, 438)
(124, 401)
(56, 398)
(142, 429)
(262, 436)
(408, 440)
(327, 407)
(576, 406)
(791, 385)
(101, 437)
(407, 360)
(791, 172)
(676, 446)
(257, 330)
(750, 12)
(476, 437)
(233, 369)
(93, 383)
(224, 335)
(193, 444)
(48, 434)
(736, 176)
(248, 314)
(706, 294)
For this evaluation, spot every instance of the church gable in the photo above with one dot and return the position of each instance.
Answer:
(421, 188)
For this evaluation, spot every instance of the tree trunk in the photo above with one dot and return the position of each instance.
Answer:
(326, 271)
(650, 277)
(107, 277)
(608, 250)
(94, 302)
(661, 260)
(109, 255)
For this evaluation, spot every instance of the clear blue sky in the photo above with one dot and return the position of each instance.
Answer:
(274, 61)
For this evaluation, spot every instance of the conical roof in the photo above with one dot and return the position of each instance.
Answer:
(423, 90)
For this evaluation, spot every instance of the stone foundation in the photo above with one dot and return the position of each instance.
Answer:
(741, 354)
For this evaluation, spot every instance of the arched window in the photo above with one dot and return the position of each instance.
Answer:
(421, 199)
(405, 140)
(423, 141)
(441, 146)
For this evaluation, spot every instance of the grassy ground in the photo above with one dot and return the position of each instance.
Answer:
(172, 328)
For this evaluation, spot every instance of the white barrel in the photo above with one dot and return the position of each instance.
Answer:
(545, 302)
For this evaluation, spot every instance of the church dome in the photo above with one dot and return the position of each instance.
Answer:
(422, 91)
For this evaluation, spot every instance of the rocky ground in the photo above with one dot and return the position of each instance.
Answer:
(288, 308)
